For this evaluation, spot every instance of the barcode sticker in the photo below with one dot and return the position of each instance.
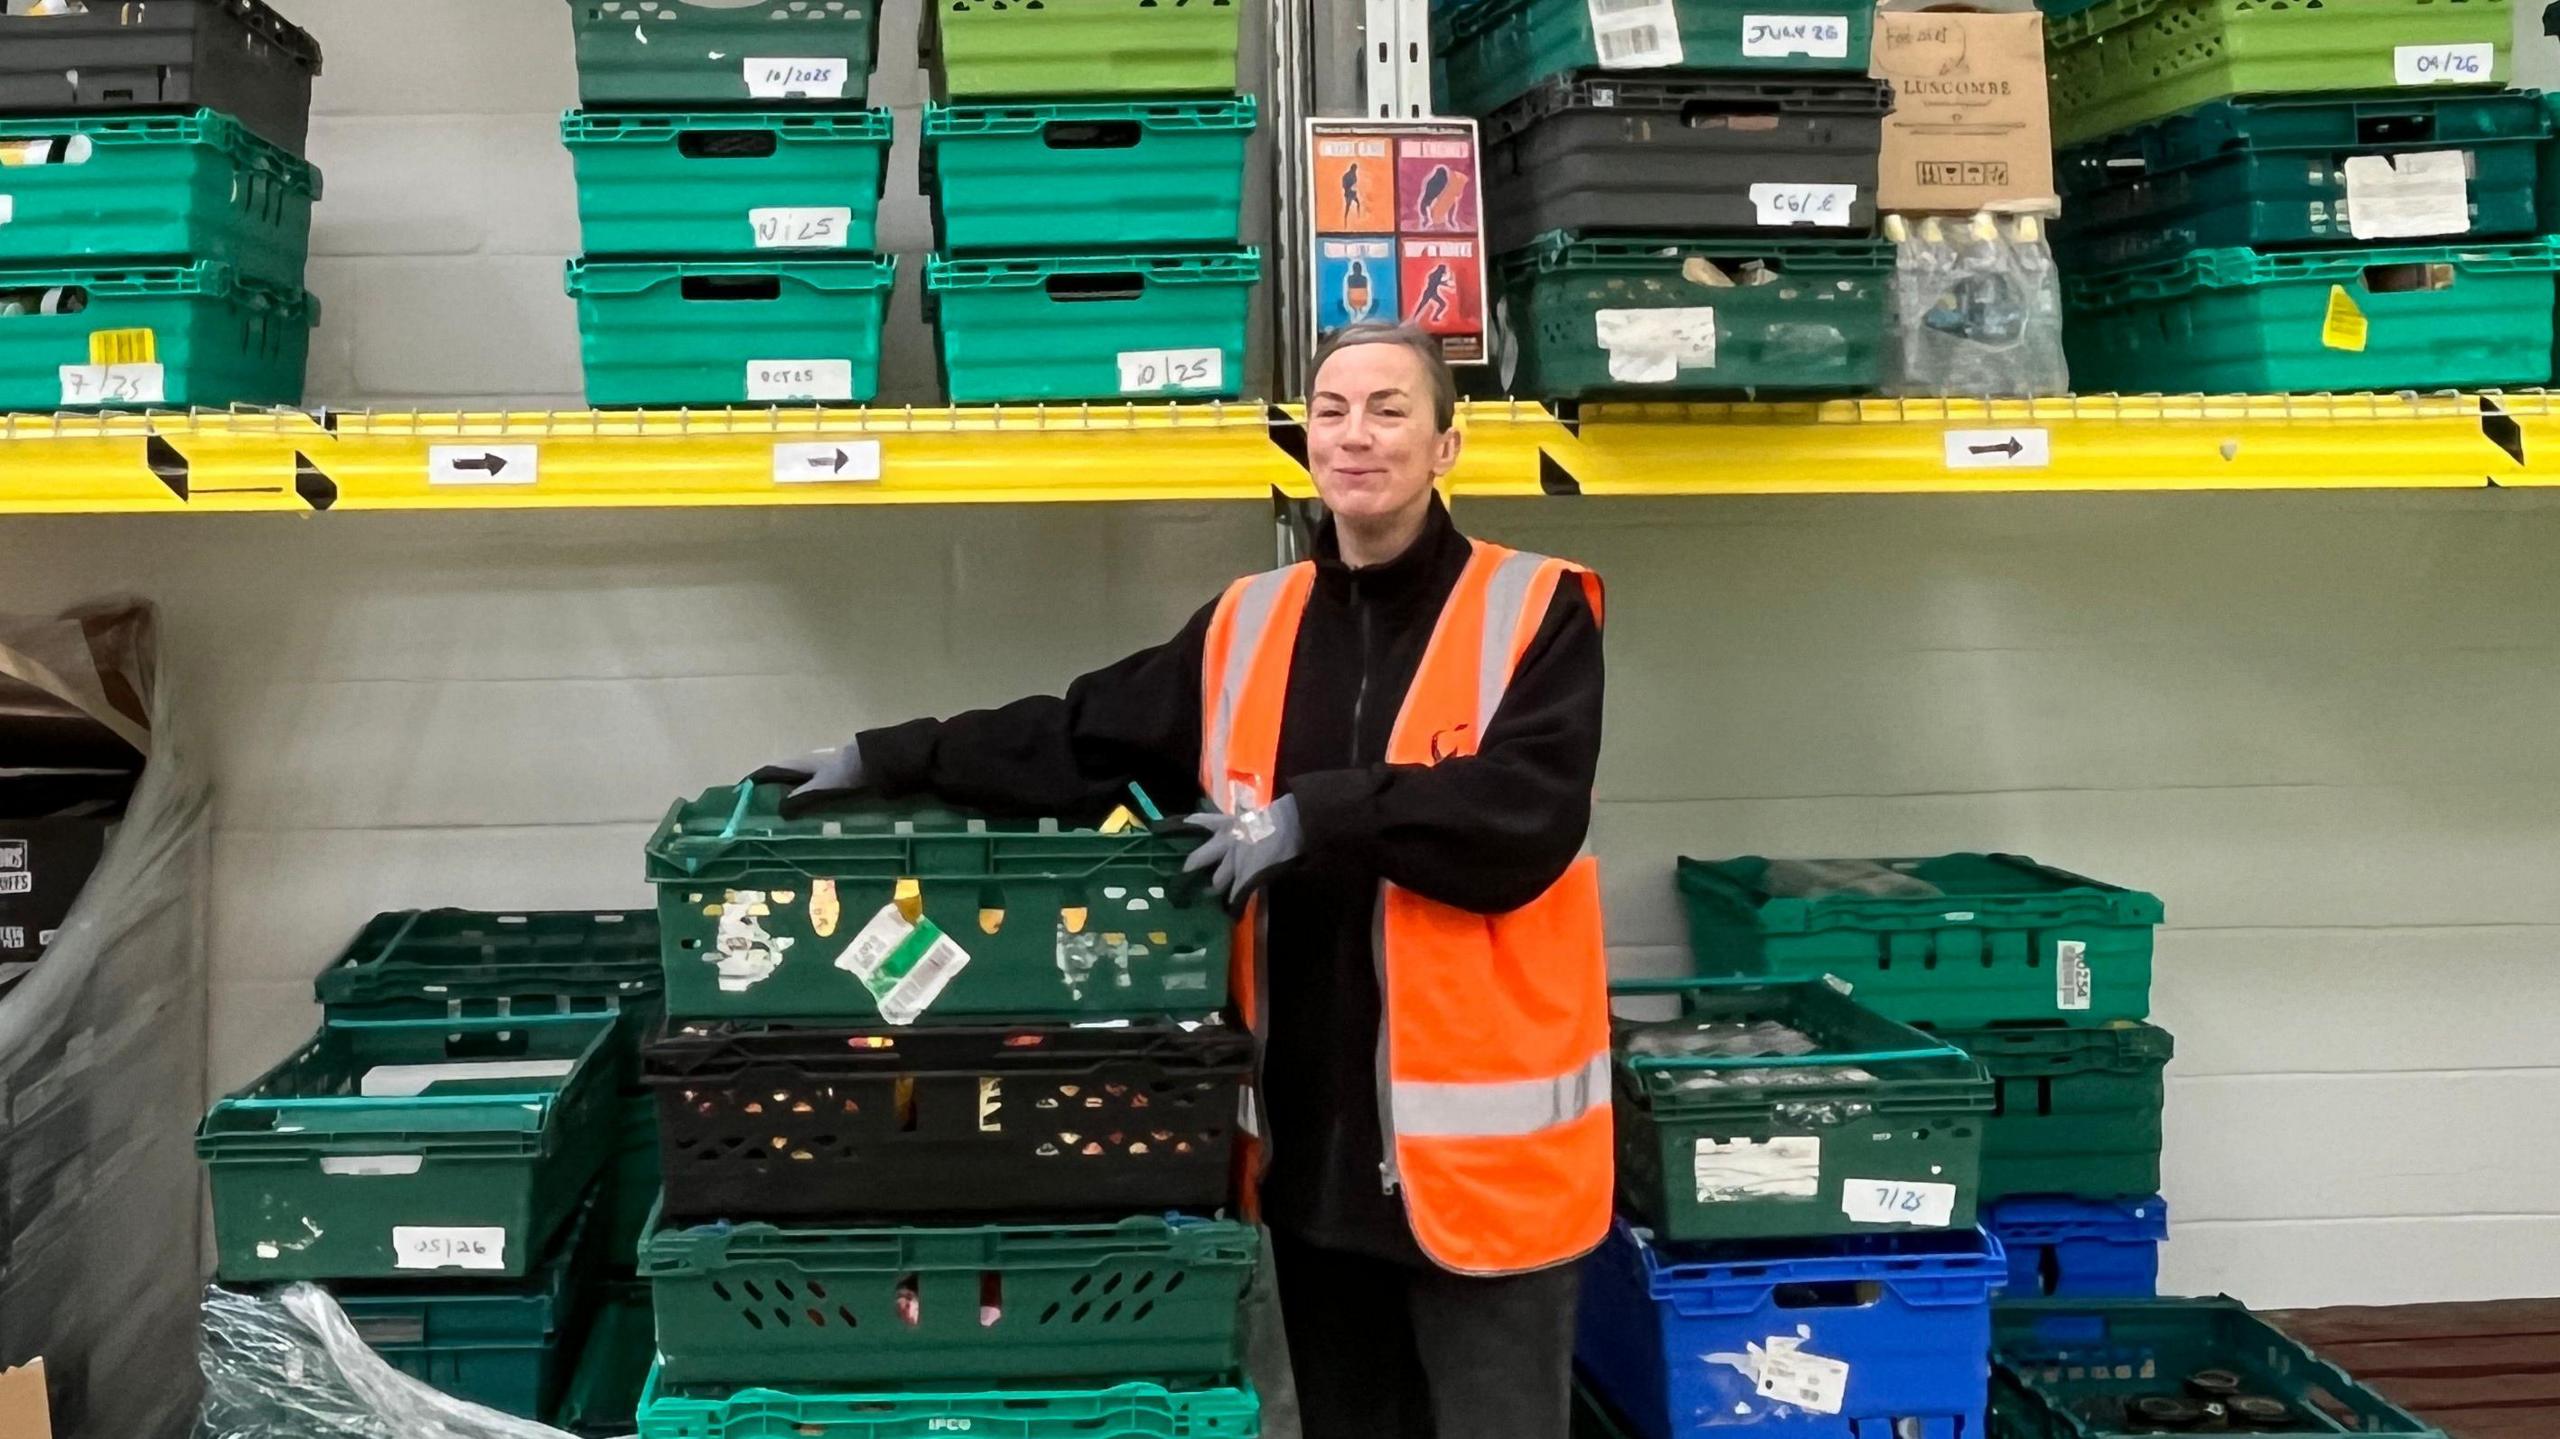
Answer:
(1898, 1201)
(439, 1247)
(1807, 204)
(1808, 1381)
(1635, 34)
(114, 385)
(818, 227)
(780, 380)
(802, 77)
(2071, 974)
(1774, 37)
(2401, 197)
(1148, 372)
(2473, 64)
(906, 964)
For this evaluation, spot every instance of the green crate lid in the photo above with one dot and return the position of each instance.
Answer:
(1028, 1411)
(1565, 251)
(464, 953)
(2124, 1046)
(1207, 267)
(201, 127)
(711, 1249)
(1975, 880)
(2238, 269)
(313, 1100)
(850, 275)
(657, 127)
(1220, 115)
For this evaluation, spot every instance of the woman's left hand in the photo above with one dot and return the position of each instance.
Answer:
(1244, 850)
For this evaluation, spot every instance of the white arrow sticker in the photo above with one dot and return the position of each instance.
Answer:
(483, 464)
(2021, 449)
(827, 463)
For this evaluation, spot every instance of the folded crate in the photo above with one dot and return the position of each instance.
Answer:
(1784, 1108)
(662, 54)
(448, 963)
(2077, 1109)
(1133, 1410)
(236, 56)
(1494, 51)
(411, 1148)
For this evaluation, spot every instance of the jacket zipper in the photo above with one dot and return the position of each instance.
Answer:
(1360, 696)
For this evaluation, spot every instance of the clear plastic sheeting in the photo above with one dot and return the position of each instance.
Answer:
(1977, 308)
(1772, 1078)
(1823, 878)
(102, 1059)
(1718, 1039)
(288, 1365)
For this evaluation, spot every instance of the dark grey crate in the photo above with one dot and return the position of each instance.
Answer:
(236, 56)
(1599, 154)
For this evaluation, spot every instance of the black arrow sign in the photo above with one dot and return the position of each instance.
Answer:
(820, 462)
(2009, 447)
(486, 464)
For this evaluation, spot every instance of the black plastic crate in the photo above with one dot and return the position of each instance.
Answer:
(236, 56)
(1595, 153)
(1024, 1121)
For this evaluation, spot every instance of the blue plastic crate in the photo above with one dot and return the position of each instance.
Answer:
(1676, 1340)
(2066, 1247)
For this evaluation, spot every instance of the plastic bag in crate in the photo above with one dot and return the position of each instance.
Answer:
(1977, 308)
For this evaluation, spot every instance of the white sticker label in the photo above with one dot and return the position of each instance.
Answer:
(851, 462)
(1807, 1381)
(800, 379)
(805, 77)
(483, 464)
(1772, 37)
(1652, 347)
(2071, 974)
(374, 1166)
(1147, 372)
(1786, 1167)
(8, 208)
(114, 385)
(2022, 449)
(1635, 34)
(19, 883)
(2396, 197)
(1803, 204)
(2444, 64)
(1898, 1201)
(824, 227)
(403, 1081)
(434, 1247)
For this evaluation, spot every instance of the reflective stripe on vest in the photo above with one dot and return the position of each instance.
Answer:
(1250, 619)
(1519, 1106)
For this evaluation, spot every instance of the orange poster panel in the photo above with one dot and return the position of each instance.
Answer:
(1355, 185)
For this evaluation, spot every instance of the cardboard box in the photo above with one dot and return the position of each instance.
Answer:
(1969, 129)
(44, 864)
(24, 1413)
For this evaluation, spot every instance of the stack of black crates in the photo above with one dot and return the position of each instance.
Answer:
(948, 1115)
(155, 208)
(1680, 194)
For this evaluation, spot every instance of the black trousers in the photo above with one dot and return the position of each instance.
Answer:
(1383, 1351)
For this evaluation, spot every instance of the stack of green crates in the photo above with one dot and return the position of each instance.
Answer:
(1605, 115)
(855, 927)
(460, 1155)
(1085, 161)
(151, 260)
(2298, 198)
(730, 200)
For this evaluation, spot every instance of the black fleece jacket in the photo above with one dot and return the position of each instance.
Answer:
(1488, 832)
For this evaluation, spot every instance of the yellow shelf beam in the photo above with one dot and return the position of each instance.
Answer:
(295, 462)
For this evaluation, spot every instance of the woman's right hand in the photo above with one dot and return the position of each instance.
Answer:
(816, 777)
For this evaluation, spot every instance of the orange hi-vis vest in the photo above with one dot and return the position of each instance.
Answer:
(1493, 1058)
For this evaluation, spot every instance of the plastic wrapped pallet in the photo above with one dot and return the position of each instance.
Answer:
(102, 1076)
(288, 1365)
(1977, 308)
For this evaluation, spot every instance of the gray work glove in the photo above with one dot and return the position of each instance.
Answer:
(816, 778)
(1244, 851)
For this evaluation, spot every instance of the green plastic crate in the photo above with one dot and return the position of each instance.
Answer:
(469, 1174)
(1075, 49)
(1137, 1410)
(2122, 62)
(443, 963)
(2078, 1109)
(2234, 321)
(1496, 51)
(1988, 948)
(725, 52)
(1112, 174)
(510, 1347)
(1818, 324)
(173, 189)
(757, 1304)
(1093, 327)
(2274, 173)
(732, 332)
(629, 1187)
(1886, 1120)
(1058, 923)
(214, 339)
(2066, 1368)
(603, 1397)
(711, 184)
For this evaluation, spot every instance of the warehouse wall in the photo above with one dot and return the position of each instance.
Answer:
(2320, 725)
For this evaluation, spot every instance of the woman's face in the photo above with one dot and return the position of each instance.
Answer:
(1373, 443)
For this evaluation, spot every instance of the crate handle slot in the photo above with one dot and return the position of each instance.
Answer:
(2407, 277)
(728, 144)
(1091, 134)
(57, 300)
(1829, 1294)
(726, 289)
(1110, 285)
(1710, 115)
(2400, 129)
